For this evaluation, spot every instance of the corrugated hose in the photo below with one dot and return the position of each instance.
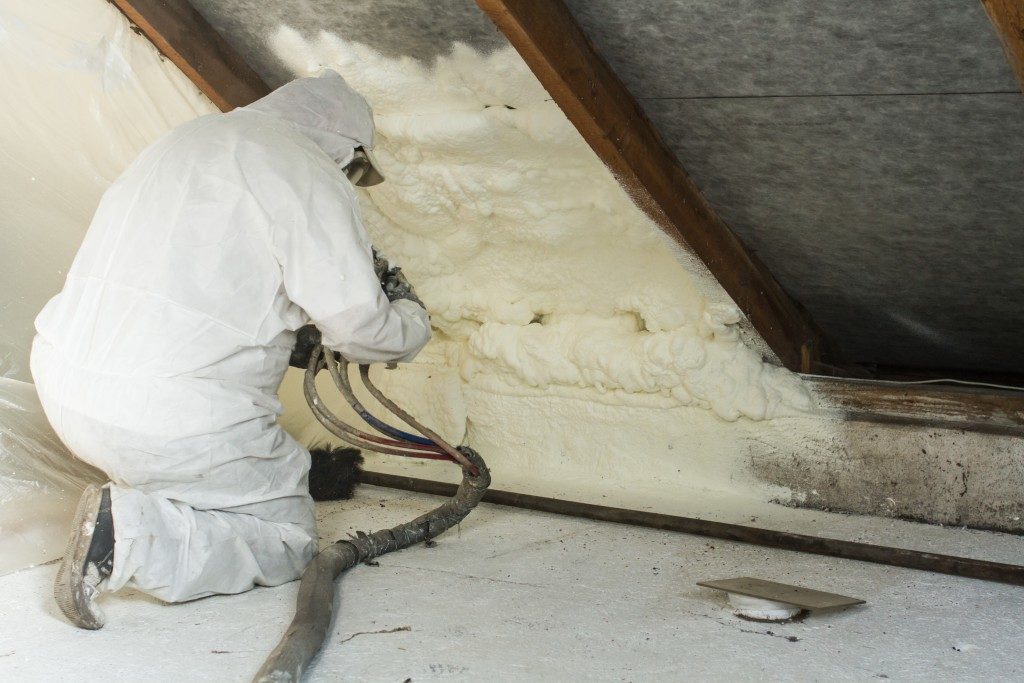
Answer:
(314, 605)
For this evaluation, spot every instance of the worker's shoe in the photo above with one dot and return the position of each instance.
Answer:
(88, 560)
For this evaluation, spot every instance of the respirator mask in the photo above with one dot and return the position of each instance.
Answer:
(363, 171)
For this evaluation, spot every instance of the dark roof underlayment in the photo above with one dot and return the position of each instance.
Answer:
(871, 153)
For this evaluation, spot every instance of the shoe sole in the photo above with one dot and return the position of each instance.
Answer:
(72, 595)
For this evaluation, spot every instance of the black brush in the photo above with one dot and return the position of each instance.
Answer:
(335, 472)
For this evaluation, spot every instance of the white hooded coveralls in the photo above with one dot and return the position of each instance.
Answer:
(160, 361)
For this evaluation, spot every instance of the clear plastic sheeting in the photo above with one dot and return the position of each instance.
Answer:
(40, 481)
(82, 96)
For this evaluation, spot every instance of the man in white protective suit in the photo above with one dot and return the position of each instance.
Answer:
(160, 361)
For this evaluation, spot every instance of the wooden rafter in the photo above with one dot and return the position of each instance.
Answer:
(610, 120)
(1008, 18)
(184, 37)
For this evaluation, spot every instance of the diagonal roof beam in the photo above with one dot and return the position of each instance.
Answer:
(184, 37)
(610, 120)
(1008, 18)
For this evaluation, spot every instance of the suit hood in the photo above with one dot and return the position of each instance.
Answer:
(326, 110)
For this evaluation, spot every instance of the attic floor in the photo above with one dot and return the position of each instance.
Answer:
(518, 595)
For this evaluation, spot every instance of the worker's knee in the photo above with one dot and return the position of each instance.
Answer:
(286, 563)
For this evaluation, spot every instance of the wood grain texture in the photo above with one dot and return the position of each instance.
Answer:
(612, 123)
(924, 405)
(182, 35)
(1008, 18)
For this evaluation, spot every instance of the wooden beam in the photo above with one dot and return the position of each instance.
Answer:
(184, 37)
(932, 406)
(610, 120)
(1008, 18)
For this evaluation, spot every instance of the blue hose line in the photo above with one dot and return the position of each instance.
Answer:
(392, 431)
(346, 390)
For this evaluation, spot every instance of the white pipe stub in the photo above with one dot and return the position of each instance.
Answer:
(761, 609)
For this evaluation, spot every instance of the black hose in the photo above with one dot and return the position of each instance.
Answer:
(315, 602)
(314, 605)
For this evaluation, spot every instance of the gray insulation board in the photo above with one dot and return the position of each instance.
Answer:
(871, 152)
(897, 221)
(715, 48)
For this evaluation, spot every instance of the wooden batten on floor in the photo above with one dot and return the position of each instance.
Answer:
(184, 37)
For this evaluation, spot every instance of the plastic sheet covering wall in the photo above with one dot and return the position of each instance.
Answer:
(82, 95)
(40, 481)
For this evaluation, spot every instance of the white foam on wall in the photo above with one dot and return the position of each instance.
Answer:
(82, 96)
(579, 341)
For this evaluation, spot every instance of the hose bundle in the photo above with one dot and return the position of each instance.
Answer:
(315, 602)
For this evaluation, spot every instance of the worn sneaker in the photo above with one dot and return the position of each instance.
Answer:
(88, 560)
